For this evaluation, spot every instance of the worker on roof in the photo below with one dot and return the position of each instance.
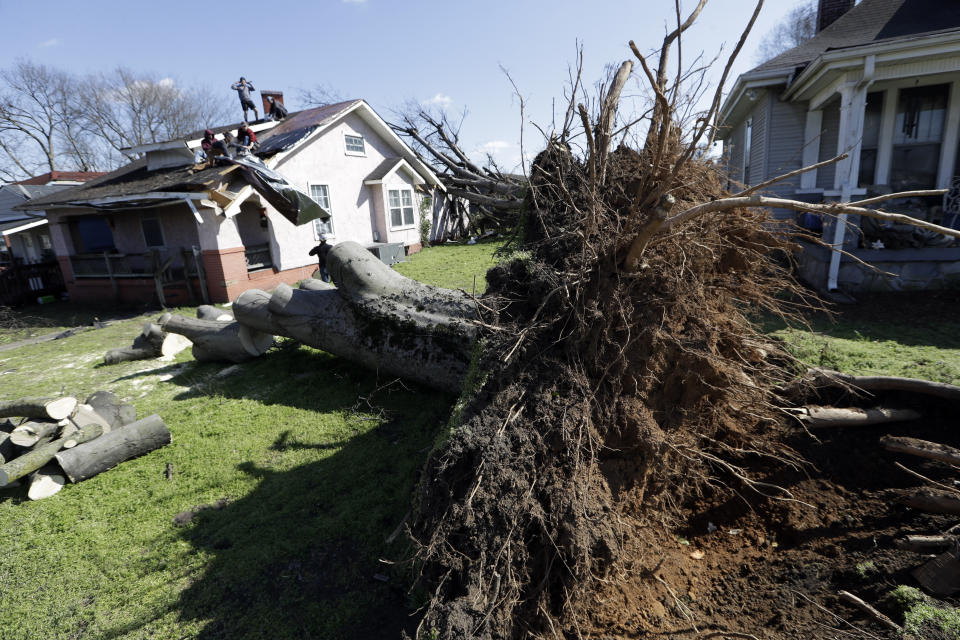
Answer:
(246, 139)
(243, 89)
(277, 110)
(212, 147)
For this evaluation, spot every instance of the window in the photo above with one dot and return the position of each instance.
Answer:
(917, 135)
(871, 139)
(91, 235)
(401, 208)
(45, 242)
(321, 195)
(354, 145)
(152, 231)
(747, 144)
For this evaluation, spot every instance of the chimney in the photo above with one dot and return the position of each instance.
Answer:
(829, 10)
(276, 95)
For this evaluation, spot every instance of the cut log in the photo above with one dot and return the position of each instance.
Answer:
(43, 408)
(153, 342)
(142, 349)
(925, 544)
(108, 406)
(852, 417)
(86, 433)
(6, 447)
(932, 501)
(45, 482)
(375, 317)
(210, 312)
(29, 433)
(109, 450)
(215, 341)
(39, 456)
(828, 378)
(921, 448)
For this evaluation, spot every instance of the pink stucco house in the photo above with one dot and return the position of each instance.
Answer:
(162, 228)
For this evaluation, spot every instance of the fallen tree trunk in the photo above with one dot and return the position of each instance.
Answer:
(210, 312)
(829, 378)
(109, 450)
(153, 342)
(41, 455)
(852, 417)
(6, 447)
(43, 408)
(108, 406)
(29, 433)
(921, 448)
(932, 501)
(45, 482)
(215, 341)
(375, 317)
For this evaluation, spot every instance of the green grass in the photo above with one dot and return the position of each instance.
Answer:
(922, 618)
(457, 266)
(316, 457)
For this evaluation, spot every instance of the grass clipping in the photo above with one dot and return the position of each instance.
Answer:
(611, 398)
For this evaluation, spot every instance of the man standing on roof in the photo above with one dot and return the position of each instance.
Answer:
(243, 89)
(277, 110)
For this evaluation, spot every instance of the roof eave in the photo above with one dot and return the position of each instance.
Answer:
(745, 82)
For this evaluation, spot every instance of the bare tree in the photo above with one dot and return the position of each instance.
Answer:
(35, 103)
(320, 95)
(794, 29)
(51, 120)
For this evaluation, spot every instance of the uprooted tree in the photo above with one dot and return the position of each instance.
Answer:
(610, 372)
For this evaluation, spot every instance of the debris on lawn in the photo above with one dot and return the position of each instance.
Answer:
(153, 342)
(59, 439)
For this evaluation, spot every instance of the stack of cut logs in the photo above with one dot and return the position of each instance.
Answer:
(53, 440)
(939, 575)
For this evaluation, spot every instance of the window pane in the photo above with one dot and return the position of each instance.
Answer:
(407, 198)
(320, 195)
(394, 198)
(914, 166)
(408, 215)
(152, 233)
(920, 114)
(354, 143)
(94, 235)
(325, 228)
(395, 218)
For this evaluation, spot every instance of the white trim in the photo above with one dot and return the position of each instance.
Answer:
(163, 235)
(193, 209)
(329, 209)
(386, 201)
(234, 207)
(400, 163)
(157, 195)
(888, 124)
(812, 131)
(750, 80)
(24, 227)
(192, 143)
(347, 151)
(948, 143)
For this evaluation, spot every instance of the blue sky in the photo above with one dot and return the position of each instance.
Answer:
(385, 51)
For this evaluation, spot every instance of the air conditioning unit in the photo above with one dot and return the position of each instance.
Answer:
(388, 252)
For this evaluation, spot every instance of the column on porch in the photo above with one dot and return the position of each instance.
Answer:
(222, 253)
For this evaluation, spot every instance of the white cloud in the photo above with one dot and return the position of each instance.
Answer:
(495, 146)
(440, 100)
(52, 42)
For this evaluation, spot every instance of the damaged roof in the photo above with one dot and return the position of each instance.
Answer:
(135, 179)
(869, 22)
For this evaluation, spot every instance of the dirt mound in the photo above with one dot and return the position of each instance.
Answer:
(610, 401)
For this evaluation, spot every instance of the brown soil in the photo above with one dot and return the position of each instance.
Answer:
(773, 568)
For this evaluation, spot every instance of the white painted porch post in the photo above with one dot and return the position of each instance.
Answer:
(888, 120)
(951, 133)
(853, 102)
(811, 148)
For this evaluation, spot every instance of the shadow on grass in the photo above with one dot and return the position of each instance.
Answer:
(299, 555)
(930, 318)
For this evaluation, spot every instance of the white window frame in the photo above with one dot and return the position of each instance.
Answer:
(403, 226)
(747, 150)
(349, 151)
(329, 207)
(143, 233)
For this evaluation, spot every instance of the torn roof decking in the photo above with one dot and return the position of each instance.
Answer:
(135, 179)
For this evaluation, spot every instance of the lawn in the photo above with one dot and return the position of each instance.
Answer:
(308, 460)
(307, 463)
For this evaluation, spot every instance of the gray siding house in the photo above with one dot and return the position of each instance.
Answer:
(881, 82)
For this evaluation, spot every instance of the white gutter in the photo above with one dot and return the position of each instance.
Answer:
(24, 227)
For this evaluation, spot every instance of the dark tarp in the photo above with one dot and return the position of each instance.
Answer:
(293, 204)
